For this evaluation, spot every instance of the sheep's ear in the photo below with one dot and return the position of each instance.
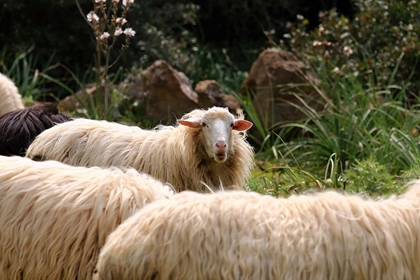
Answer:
(194, 123)
(242, 125)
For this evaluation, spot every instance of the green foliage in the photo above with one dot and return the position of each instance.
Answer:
(362, 140)
(279, 179)
(412, 173)
(369, 177)
(382, 37)
(360, 122)
(27, 77)
(211, 64)
(163, 33)
(355, 124)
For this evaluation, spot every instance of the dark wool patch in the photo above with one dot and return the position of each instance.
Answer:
(19, 128)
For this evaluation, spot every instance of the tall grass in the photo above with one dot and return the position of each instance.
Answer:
(22, 69)
(362, 128)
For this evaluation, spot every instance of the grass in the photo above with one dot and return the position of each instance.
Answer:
(364, 134)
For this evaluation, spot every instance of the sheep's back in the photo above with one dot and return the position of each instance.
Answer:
(84, 142)
(56, 217)
(239, 235)
(172, 154)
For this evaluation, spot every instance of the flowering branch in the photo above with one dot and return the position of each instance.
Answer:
(108, 27)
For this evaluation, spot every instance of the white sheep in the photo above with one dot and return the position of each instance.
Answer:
(54, 217)
(244, 235)
(207, 147)
(10, 99)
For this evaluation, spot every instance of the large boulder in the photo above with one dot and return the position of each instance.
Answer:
(159, 94)
(276, 81)
(166, 94)
(211, 94)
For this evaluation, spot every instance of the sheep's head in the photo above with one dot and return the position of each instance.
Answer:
(217, 125)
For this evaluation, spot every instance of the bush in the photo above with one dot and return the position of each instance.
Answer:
(380, 44)
(370, 177)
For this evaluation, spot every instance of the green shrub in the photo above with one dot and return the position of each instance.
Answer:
(369, 177)
(380, 44)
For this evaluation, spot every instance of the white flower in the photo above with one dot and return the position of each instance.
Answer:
(92, 16)
(336, 70)
(347, 51)
(129, 32)
(97, 1)
(316, 43)
(299, 17)
(118, 32)
(105, 35)
(121, 20)
(124, 2)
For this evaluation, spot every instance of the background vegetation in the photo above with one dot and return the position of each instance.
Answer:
(365, 53)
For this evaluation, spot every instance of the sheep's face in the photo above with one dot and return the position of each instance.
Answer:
(217, 125)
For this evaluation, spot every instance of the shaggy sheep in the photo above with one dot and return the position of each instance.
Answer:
(10, 99)
(206, 147)
(20, 127)
(240, 235)
(54, 217)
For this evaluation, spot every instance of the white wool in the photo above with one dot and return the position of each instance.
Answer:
(175, 155)
(55, 218)
(245, 235)
(10, 99)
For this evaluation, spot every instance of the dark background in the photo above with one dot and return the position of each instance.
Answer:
(56, 32)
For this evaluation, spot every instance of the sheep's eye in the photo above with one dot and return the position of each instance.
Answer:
(204, 124)
(231, 125)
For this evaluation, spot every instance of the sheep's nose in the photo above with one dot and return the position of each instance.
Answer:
(221, 144)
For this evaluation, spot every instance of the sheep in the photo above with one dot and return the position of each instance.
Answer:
(206, 149)
(10, 99)
(54, 217)
(245, 235)
(20, 127)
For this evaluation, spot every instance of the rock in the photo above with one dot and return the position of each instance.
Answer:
(75, 102)
(160, 93)
(211, 94)
(168, 93)
(273, 82)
